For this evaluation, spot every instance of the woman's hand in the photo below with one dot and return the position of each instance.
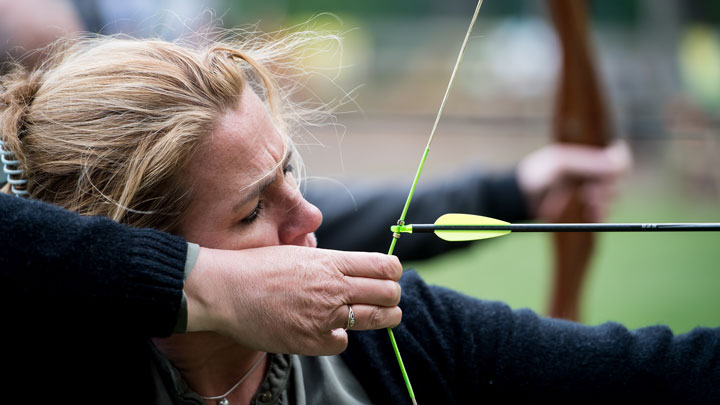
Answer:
(290, 299)
(545, 177)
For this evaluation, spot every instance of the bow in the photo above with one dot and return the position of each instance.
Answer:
(401, 221)
(580, 117)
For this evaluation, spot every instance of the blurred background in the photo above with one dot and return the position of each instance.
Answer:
(660, 65)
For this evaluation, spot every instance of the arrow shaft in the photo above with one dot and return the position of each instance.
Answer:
(626, 227)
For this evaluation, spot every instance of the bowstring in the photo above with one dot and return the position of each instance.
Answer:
(401, 221)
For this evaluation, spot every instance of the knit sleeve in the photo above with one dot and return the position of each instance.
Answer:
(359, 217)
(62, 270)
(460, 350)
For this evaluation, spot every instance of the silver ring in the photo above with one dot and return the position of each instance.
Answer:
(351, 318)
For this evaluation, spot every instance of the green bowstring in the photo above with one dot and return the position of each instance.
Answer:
(401, 221)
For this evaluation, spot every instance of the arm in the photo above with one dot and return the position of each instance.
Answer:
(65, 272)
(459, 349)
(360, 219)
(60, 267)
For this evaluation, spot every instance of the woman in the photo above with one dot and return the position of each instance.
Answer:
(197, 142)
(147, 141)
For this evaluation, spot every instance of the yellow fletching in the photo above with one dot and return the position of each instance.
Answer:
(467, 219)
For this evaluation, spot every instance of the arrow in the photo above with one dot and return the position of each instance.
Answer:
(465, 227)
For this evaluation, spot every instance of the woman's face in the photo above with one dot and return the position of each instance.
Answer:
(244, 194)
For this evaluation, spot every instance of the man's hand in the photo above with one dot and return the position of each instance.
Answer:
(289, 299)
(545, 174)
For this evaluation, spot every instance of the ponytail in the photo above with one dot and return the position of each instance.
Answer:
(17, 91)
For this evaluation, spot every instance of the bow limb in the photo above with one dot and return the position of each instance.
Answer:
(401, 221)
(580, 117)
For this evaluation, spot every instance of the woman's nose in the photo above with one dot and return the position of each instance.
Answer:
(302, 219)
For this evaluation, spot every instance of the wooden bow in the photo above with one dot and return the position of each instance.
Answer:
(580, 117)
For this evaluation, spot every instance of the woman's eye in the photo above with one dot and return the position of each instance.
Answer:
(254, 214)
(289, 169)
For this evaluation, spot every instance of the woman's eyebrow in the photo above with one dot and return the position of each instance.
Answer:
(261, 185)
(288, 157)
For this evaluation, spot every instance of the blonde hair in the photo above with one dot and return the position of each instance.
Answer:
(106, 124)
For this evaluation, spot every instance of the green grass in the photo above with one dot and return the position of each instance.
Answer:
(636, 279)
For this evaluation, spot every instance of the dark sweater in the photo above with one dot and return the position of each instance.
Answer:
(80, 297)
(82, 294)
(59, 266)
(460, 350)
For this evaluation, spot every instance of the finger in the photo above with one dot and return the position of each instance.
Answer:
(335, 342)
(372, 291)
(340, 318)
(603, 191)
(371, 265)
(366, 317)
(369, 317)
(326, 343)
(594, 163)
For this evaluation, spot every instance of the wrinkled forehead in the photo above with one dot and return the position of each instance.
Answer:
(244, 147)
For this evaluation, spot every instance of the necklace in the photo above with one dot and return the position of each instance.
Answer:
(222, 398)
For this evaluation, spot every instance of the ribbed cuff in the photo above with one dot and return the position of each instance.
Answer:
(158, 283)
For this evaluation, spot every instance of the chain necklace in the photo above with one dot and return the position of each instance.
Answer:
(222, 398)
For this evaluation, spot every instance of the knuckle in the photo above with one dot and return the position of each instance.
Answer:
(389, 267)
(317, 309)
(332, 295)
(376, 318)
(341, 290)
(316, 325)
(329, 287)
(397, 293)
(337, 264)
(392, 293)
(377, 265)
